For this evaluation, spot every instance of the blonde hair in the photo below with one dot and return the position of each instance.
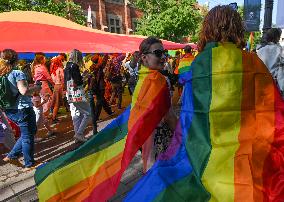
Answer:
(5, 67)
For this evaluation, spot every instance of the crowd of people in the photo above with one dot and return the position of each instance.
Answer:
(40, 87)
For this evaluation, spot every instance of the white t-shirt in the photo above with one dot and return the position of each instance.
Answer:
(132, 72)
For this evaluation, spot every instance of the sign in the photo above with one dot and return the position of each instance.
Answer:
(75, 94)
(252, 15)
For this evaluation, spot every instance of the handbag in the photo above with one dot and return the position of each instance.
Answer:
(75, 93)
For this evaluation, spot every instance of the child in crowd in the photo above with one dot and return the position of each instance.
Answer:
(38, 109)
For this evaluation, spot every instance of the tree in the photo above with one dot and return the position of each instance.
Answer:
(59, 8)
(168, 19)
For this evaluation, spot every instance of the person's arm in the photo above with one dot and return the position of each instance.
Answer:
(47, 76)
(24, 88)
(171, 119)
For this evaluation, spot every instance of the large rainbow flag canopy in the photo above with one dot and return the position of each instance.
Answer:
(30, 31)
(229, 144)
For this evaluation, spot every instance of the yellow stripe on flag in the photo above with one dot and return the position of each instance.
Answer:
(77, 171)
(218, 177)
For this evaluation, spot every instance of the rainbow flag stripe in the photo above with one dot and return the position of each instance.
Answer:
(184, 64)
(93, 171)
(232, 126)
(250, 42)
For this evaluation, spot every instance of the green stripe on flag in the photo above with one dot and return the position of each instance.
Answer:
(102, 140)
(198, 143)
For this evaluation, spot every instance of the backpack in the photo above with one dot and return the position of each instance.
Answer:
(7, 97)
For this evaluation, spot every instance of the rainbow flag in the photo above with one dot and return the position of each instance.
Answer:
(184, 64)
(230, 138)
(250, 42)
(93, 171)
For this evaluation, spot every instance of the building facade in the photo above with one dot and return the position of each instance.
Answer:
(116, 16)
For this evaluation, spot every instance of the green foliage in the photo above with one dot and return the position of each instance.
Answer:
(64, 9)
(168, 19)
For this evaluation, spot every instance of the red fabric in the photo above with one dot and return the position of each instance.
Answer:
(273, 177)
(15, 128)
(34, 37)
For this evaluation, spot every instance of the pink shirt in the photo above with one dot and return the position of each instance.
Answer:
(41, 74)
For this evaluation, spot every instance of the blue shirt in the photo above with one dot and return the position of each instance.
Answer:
(22, 100)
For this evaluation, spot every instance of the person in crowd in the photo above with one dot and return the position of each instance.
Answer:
(98, 85)
(271, 53)
(65, 102)
(42, 76)
(151, 52)
(184, 64)
(116, 79)
(57, 75)
(26, 68)
(107, 81)
(41, 73)
(236, 122)
(168, 66)
(132, 69)
(41, 119)
(79, 106)
(125, 72)
(175, 63)
(20, 111)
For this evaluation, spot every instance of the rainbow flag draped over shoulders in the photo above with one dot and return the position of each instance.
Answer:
(232, 135)
(93, 171)
(184, 64)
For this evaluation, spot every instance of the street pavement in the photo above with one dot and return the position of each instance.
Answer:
(17, 185)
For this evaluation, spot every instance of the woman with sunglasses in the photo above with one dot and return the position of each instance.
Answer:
(152, 59)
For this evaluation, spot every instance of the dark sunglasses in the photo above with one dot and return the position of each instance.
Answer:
(158, 53)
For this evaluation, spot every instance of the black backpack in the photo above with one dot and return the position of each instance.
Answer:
(7, 98)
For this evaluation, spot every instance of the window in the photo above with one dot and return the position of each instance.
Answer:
(114, 23)
(116, 1)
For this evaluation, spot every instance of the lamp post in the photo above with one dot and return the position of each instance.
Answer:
(267, 24)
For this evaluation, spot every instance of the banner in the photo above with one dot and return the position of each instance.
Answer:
(252, 14)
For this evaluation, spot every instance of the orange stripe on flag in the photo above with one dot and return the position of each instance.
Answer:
(84, 188)
(257, 109)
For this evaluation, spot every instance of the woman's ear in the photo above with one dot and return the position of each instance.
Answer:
(143, 58)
